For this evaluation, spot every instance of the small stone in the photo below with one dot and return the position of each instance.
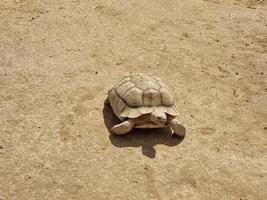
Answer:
(96, 72)
(236, 73)
(185, 35)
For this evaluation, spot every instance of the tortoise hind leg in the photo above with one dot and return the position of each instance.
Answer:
(123, 127)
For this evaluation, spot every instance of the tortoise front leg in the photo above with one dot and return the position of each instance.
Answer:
(176, 127)
(123, 127)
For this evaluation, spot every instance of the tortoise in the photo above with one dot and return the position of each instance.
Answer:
(142, 101)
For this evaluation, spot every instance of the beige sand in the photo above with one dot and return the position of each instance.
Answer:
(57, 59)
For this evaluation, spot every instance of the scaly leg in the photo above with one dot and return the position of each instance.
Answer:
(123, 127)
(176, 127)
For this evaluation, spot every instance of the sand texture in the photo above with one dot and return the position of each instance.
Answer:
(59, 57)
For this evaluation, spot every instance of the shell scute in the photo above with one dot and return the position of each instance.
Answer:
(167, 97)
(151, 97)
(133, 98)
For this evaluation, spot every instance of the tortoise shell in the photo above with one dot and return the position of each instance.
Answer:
(139, 94)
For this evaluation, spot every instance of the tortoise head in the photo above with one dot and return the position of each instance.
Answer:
(158, 117)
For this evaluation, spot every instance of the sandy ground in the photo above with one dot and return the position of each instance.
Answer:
(57, 60)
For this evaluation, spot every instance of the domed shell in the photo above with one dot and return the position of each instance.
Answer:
(139, 94)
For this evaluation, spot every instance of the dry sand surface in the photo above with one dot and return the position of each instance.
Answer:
(57, 60)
